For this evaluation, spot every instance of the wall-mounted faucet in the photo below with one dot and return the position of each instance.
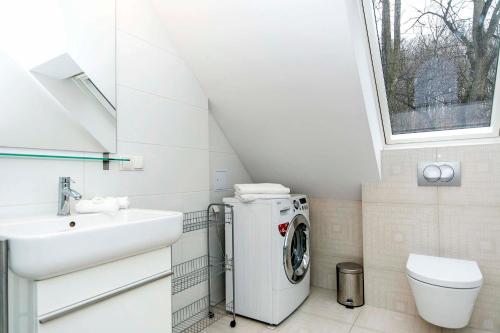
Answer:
(65, 194)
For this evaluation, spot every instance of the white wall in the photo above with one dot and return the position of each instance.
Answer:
(223, 157)
(26, 105)
(162, 115)
(71, 37)
(89, 32)
(285, 87)
(84, 29)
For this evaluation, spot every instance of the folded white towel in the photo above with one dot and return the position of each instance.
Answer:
(124, 202)
(263, 188)
(252, 197)
(97, 205)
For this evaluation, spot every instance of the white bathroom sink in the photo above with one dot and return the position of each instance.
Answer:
(43, 247)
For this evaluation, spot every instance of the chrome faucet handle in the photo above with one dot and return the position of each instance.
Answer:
(66, 180)
(65, 194)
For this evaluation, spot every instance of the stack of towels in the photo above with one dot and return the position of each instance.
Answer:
(102, 205)
(251, 192)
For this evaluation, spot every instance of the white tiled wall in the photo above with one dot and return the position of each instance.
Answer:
(462, 222)
(223, 157)
(162, 115)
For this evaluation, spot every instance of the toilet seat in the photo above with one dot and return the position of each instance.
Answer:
(444, 272)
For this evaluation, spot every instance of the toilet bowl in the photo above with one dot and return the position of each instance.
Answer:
(445, 289)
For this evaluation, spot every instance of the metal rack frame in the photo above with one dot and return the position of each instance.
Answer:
(196, 316)
(203, 312)
(227, 262)
(4, 286)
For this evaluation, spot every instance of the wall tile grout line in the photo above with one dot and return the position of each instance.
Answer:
(162, 145)
(179, 101)
(436, 153)
(131, 34)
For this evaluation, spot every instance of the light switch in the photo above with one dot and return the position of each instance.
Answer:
(136, 163)
(220, 181)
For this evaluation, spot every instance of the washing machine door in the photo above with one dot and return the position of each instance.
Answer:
(296, 256)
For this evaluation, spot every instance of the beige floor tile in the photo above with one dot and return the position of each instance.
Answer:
(301, 322)
(323, 303)
(243, 325)
(357, 329)
(392, 322)
(465, 330)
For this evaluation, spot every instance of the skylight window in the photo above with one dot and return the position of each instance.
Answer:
(84, 82)
(435, 65)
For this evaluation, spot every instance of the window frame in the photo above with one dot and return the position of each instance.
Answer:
(493, 131)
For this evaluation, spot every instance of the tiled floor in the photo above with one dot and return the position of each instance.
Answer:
(322, 314)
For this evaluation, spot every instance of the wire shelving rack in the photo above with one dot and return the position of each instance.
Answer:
(201, 313)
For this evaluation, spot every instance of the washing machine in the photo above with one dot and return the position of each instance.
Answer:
(271, 257)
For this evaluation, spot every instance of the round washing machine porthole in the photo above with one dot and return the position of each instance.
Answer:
(296, 257)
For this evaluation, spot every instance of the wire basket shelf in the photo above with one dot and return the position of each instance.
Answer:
(195, 221)
(190, 273)
(202, 219)
(199, 315)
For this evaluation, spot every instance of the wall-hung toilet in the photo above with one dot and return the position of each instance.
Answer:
(445, 289)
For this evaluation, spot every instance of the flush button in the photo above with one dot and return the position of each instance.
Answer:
(438, 173)
(447, 173)
(432, 173)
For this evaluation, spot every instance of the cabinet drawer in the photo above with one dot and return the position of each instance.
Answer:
(68, 289)
(144, 309)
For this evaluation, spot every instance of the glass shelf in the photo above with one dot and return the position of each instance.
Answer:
(66, 157)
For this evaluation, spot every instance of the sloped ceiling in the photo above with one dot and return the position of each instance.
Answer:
(284, 85)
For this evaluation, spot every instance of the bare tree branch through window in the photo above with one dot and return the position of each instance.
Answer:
(439, 60)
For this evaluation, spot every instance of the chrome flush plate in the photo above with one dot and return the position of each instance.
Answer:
(439, 174)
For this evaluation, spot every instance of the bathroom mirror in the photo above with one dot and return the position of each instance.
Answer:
(57, 65)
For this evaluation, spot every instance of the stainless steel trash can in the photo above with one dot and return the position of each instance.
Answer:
(350, 289)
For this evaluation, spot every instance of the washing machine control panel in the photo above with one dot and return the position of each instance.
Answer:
(300, 204)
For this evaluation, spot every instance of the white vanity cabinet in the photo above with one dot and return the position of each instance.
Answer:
(139, 310)
(131, 295)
